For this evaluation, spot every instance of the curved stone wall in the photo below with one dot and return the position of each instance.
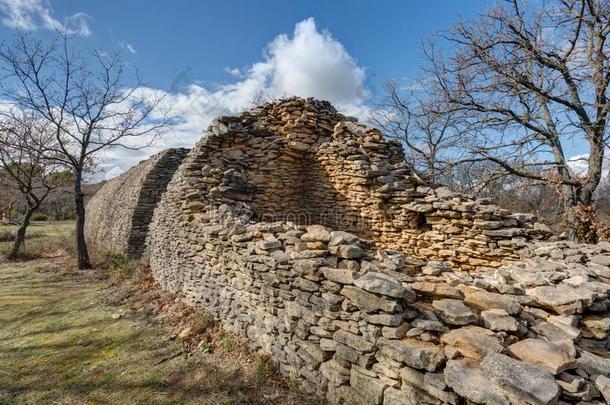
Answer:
(118, 215)
(305, 232)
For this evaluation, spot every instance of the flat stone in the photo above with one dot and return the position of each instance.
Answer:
(473, 341)
(467, 380)
(316, 233)
(603, 260)
(367, 301)
(434, 268)
(561, 298)
(385, 319)
(499, 320)
(597, 326)
(350, 252)
(454, 312)
(603, 385)
(354, 341)
(412, 352)
(338, 275)
(555, 332)
(334, 372)
(520, 382)
(593, 364)
(434, 326)
(370, 388)
(436, 290)
(543, 354)
(485, 300)
(383, 284)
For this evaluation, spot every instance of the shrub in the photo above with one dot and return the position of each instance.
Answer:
(39, 216)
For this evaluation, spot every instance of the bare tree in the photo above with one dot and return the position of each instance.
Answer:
(433, 141)
(86, 102)
(531, 81)
(24, 169)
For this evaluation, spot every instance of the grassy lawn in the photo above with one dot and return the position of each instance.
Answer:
(41, 235)
(80, 337)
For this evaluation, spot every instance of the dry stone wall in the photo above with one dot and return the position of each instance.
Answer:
(306, 233)
(119, 214)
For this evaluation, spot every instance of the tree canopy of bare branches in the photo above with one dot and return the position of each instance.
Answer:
(84, 99)
(532, 81)
(24, 169)
(433, 141)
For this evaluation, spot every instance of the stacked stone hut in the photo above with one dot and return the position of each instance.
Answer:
(306, 233)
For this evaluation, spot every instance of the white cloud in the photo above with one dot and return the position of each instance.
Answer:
(128, 47)
(31, 15)
(579, 164)
(309, 63)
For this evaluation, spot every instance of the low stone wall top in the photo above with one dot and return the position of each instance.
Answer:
(118, 215)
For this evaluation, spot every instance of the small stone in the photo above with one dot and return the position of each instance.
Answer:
(116, 316)
(454, 312)
(543, 354)
(520, 382)
(499, 320)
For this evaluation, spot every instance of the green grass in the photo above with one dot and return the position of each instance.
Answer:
(60, 344)
(46, 235)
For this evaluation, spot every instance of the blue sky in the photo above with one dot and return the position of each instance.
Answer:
(169, 37)
(211, 57)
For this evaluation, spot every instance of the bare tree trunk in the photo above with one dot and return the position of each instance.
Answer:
(20, 236)
(81, 245)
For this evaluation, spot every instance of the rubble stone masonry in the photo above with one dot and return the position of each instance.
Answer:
(306, 233)
(118, 215)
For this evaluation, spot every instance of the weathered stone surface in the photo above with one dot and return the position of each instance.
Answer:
(454, 312)
(412, 352)
(603, 385)
(383, 284)
(473, 341)
(338, 275)
(561, 298)
(118, 215)
(593, 364)
(370, 388)
(520, 382)
(467, 380)
(543, 354)
(499, 320)
(368, 301)
(485, 300)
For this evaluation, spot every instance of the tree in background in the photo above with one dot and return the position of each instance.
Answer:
(433, 141)
(25, 169)
(531, 81)
(86, 103)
